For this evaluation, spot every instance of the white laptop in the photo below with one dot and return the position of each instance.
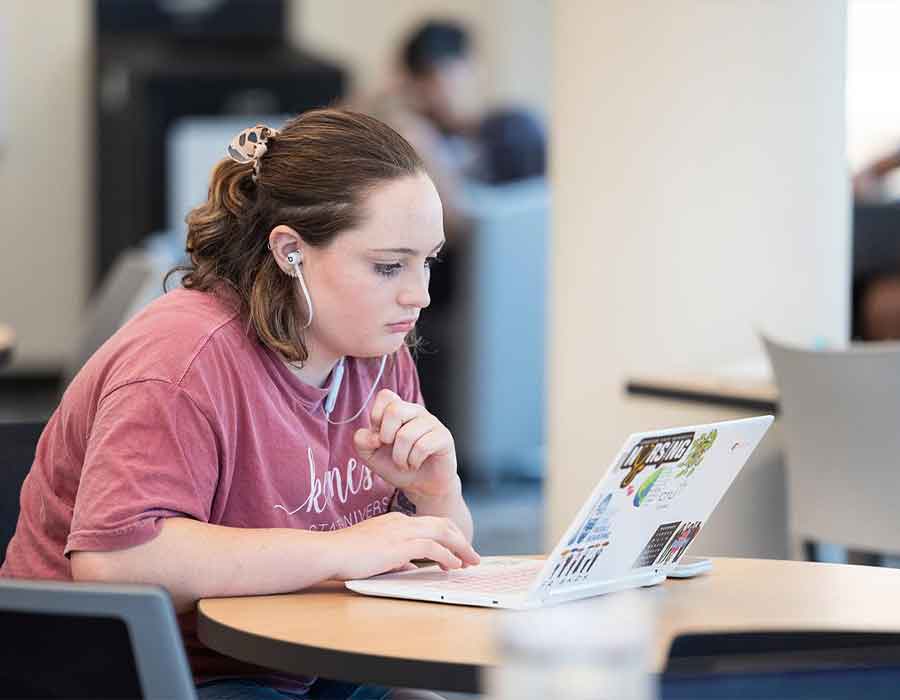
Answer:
(632, 531)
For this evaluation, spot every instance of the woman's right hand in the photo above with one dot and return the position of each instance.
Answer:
(391, 541)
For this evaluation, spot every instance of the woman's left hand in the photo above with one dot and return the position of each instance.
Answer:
(408, 447)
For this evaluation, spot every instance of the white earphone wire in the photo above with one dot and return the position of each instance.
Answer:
(309, 305)
(365, 403)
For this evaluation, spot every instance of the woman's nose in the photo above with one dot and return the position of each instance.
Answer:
(416, 294)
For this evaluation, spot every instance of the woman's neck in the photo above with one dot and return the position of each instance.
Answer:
(315, 368)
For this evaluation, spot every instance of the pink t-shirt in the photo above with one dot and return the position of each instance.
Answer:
(184, 412)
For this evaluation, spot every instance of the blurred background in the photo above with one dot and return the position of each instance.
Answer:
(115, 111)
(716, 170)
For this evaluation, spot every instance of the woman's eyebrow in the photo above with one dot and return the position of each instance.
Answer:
(405, 251)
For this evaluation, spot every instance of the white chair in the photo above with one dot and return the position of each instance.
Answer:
(110, 306)
(840, 421)
(134, 280)
(193, 147)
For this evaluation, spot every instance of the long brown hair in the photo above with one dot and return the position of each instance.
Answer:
(313, 178)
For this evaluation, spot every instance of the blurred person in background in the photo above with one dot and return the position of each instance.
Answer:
(878, 297)
(434, 100)
(868, 183)
(513, 147)
(436, 103)
(489, 145)
(262, 429)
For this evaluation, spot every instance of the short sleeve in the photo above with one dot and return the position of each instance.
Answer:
(151, 454)
(407, 377)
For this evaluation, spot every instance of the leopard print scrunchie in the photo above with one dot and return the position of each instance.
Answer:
(250, 145)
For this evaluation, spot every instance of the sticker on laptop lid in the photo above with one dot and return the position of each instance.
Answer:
(596, 526)
(655, 452)
(656, 544)
(695, 457)
(672, 479)
(575, 564)
(683, 537)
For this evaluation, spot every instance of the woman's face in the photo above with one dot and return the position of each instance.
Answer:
(370, 284)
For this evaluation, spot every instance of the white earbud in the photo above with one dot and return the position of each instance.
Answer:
(294, 259)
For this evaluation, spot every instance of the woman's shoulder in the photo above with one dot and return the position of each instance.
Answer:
(170, 336)
(190, 309)
(186, 319)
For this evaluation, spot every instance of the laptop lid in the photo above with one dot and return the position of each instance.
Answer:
(650, 505)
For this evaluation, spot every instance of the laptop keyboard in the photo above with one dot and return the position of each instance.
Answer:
(495, 577)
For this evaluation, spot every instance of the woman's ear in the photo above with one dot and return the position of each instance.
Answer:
(284, 242)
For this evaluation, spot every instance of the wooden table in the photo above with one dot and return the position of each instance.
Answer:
(734, 392)
(7, 342)
(337, 634)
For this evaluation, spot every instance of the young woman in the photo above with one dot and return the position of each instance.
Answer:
(259, 430)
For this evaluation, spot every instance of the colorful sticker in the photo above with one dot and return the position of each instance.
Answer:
(596, 526)
(656, 544)
(575, 564)
(665, 489)
(695, 456)
(645, 488)
(673, 479)
(654, 452)
(679, 543)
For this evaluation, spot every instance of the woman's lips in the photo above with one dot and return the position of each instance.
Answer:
(402, 327)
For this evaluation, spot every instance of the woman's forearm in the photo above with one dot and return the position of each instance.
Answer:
(451, 506)
(194, 560)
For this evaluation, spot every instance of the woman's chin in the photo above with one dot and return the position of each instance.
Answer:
(385, 347)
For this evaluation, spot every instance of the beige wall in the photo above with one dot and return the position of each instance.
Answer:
(45, 161)
(700, 192)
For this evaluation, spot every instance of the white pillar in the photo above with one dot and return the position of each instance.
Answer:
(46, 159)
(700, 193)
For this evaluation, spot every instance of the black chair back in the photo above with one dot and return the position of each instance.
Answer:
(782, 665)
(17, 446)
(779, 651)
(90, 640)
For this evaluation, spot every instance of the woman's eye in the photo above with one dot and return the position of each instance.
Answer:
(388, 269)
